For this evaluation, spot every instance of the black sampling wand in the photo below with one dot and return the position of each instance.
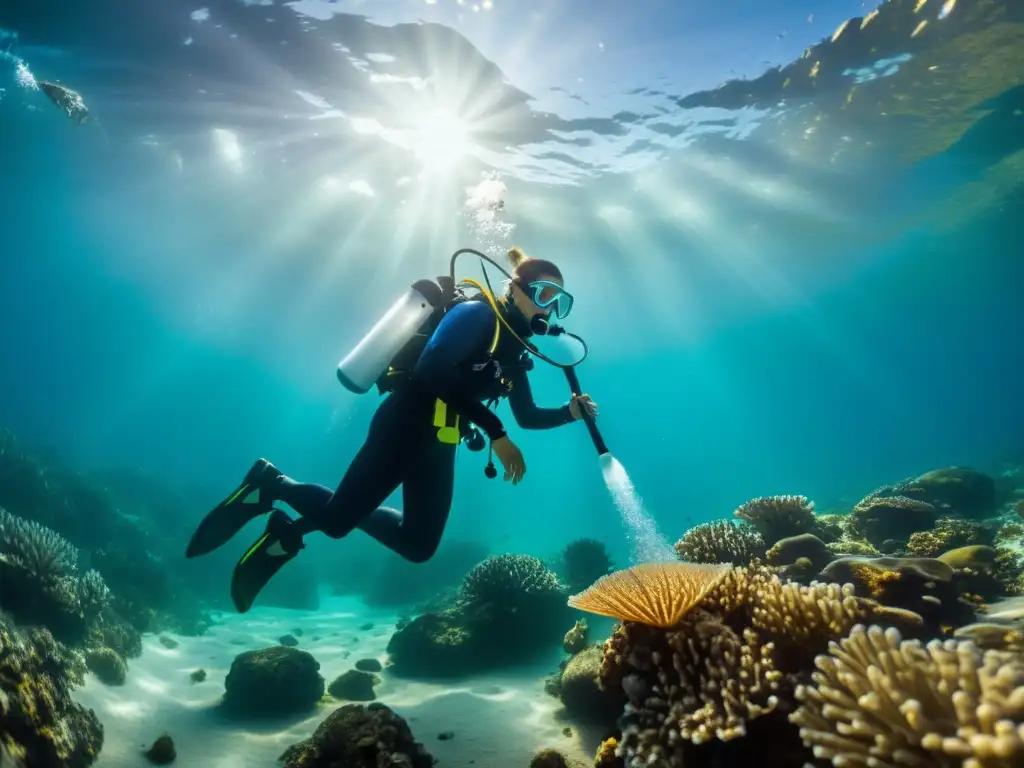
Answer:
(576, 389)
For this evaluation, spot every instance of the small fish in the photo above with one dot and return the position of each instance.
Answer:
(67, 100)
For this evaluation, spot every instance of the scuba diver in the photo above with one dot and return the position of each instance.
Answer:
(477, 354)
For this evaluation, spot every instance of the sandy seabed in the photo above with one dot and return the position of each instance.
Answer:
(499, 720)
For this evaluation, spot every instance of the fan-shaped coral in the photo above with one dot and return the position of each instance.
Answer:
(720, 541)
(778, 517)
(878, 700)
(657, 594)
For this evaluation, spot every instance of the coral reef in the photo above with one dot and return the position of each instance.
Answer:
(778, 517)
(848, 546)
(108, 667)
(357, 736)
(732, 658)
(40, 580)
(40, 725)
(127, 549)
(879, 700)
(577, 638)
(432, 645)
(923, 585)
(720, 541)
(949, 533)
(509, 608)
(354, 685)
(583, 562)
(879, 518)
(273, 681)
(580, 691)
(805, 546)
(958, 491)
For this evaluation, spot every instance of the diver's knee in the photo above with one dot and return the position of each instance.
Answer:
(420, 553)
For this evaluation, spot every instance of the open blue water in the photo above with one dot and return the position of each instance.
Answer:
(813, 288)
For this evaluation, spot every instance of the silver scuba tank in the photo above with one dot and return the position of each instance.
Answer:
(360, 368)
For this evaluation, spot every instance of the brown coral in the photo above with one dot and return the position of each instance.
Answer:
(848, 546)
(778, 517)
(657, 594)
(882, 518)
(720, 541)
(709, 682)
(878, 700)
(949, 533)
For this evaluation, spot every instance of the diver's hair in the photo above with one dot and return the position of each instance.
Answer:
(526, 269)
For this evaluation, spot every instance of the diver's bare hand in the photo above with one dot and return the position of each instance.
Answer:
(511, 459)
(583, 402)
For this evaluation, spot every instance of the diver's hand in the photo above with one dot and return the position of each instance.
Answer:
(511, 459)
(583, 402)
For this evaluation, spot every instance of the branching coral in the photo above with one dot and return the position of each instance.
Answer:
(584, 561)
(720, 542)
(38, 571)
(778, 517)
(726, 660)
(38, 553)
(878, 700)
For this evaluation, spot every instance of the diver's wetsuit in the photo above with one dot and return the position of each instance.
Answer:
(402, 447)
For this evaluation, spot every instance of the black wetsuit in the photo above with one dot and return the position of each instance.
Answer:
(402, 447)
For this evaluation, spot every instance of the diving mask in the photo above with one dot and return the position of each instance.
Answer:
(545, 293)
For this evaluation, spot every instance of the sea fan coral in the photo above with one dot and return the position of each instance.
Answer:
(584, 561)
(656, 594)
(778, 517)
(878, 700)
(720, 541)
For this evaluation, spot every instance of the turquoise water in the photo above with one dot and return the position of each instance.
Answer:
(760, 322)
(812, 288)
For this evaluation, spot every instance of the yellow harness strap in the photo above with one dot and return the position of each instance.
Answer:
(448, 429)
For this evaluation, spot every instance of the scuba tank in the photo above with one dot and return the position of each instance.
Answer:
(363, 366)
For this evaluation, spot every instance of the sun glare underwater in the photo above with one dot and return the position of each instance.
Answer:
(468, 383)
